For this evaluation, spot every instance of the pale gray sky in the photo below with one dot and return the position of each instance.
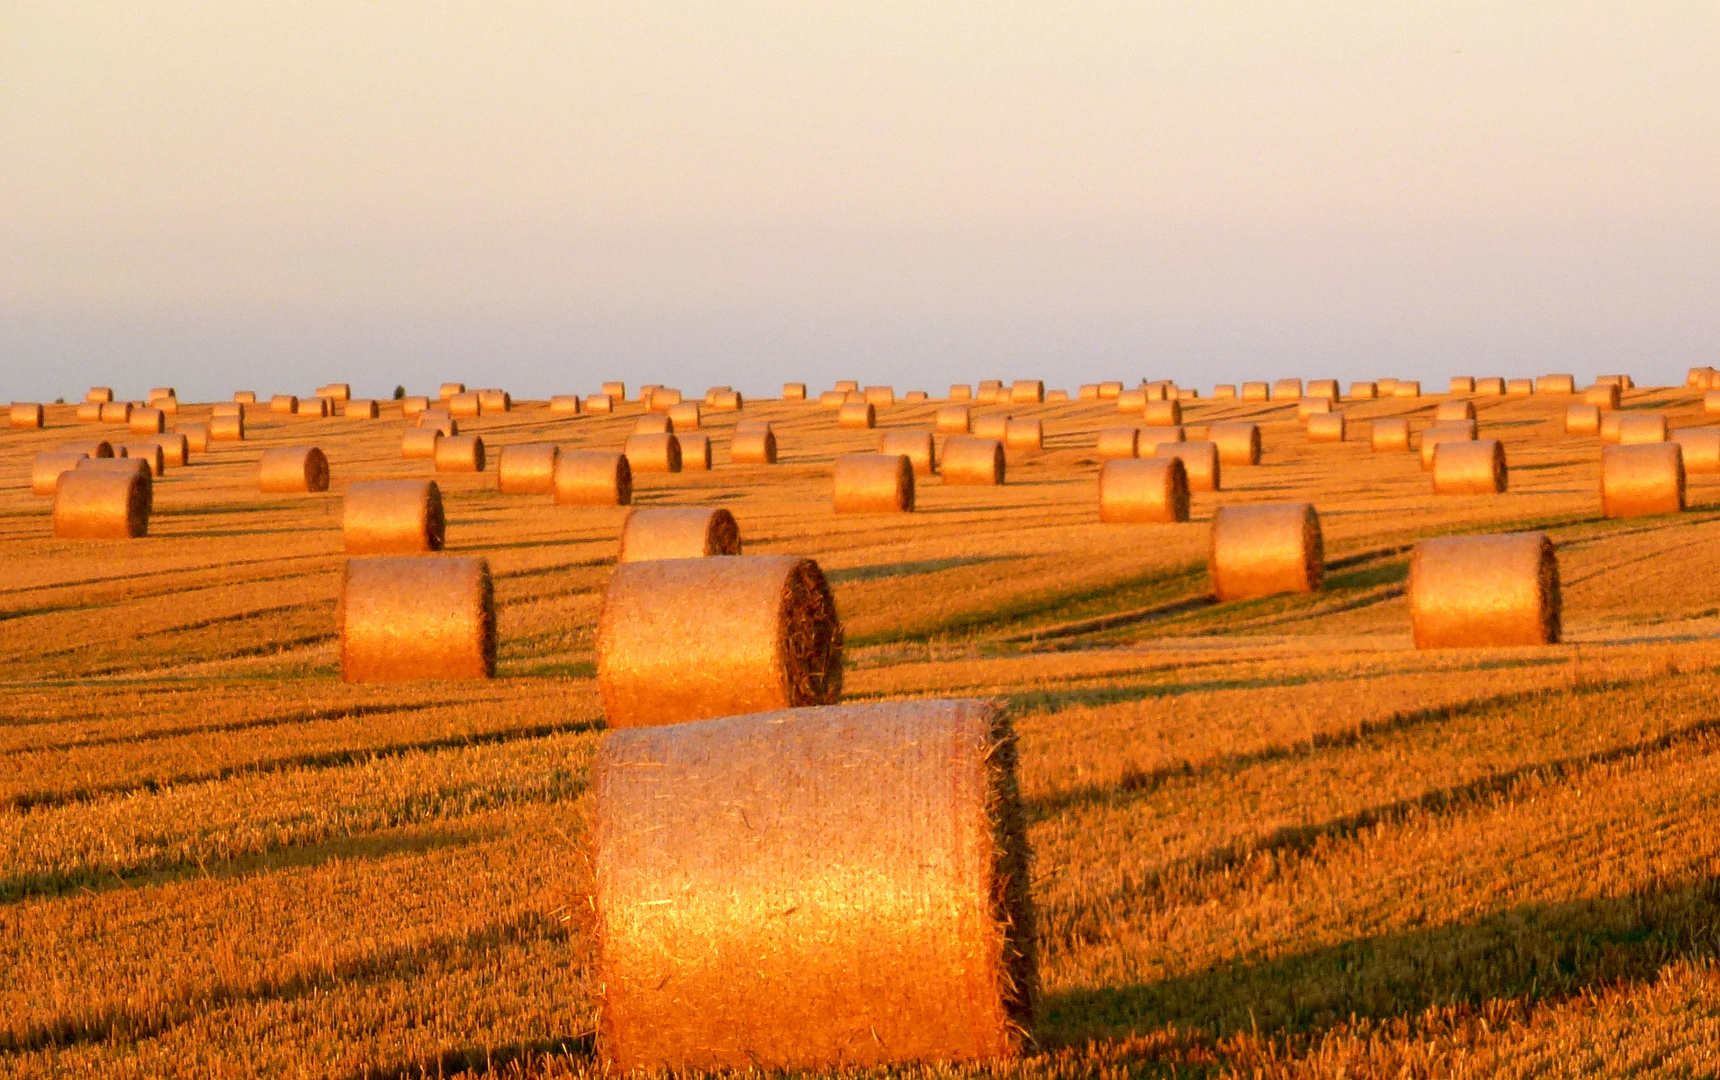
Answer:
(543, 195)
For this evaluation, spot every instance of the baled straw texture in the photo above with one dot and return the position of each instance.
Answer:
(856, 414)
(954, 420)
(1469, 468)
(832, 399)
(1238, 442)
(1117, 443)
(460, 453)
(1642, 480)
(1389, 433)
(653, 453)
(846, 386)
(1326, 427)
(393, 517)
(1406, 388)
(120, 464)
(1287, 390)
(851, 889)
(244, 397)
(593, 478)
(26, 414)
(286, 404)
(915, 444)
(1623, 382)
(1386, 386)
(1582, 420)
(1224, 392)
(1133, 490)
(1606, 395)
(337, 391)
(687, 639)
(228, 428)
(1462, 384)
(654, 424)
(1323, 388)
(102, 504)
(1609, 427)
(1266, 549)
(1161, 413)
(1523, 387)
(1364, 391)
(1549, 384)
(1023, 434)
(615, 390)
(564, 405)
(695, 452)
(679, 532)
(90, 412)
(1458, 431)
(293, 468)
(1132, 401)
(1697, 378)
(753, 445)
(495, 401)
(116, 412)
(969, 459)
(1490, 387)
(196, 436)
(1149, 439)
(1027, 391)
(448, 390)
(527, 469)
(880, 396)
(728, 401)
(466, 406)
(361, 409)
(1052, 397)
(175, 449)
(1636, 429)
(1088, 392)
(1200, 460)
(599, 403)
(1256, 391)
(414, 406)
(419, 442)
(1448, 411)
(873, 484)
(664, 398)
(417, 617)
(1700, 447)
(89, 448)
(45, 470)
(685, 416)
(961, 392)
(1312, 406)
(150, 453)
(1711, 403)
(991, 392)
(1476, 592)
(794, 391)
(1110, 390)
(711, 394)
(101, 395)
(314, 407)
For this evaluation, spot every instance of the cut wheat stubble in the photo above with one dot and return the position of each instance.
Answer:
(1470, 592)
(416, 618)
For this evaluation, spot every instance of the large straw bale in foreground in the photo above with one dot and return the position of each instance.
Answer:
(679, 532)
(686, 639)
(393, 517)
(593, 478)
(915, 444)
(26, 414)
(1200, 459)
(851, 890)
(1117, 443)
(460, 453)
(653, 453)
(1133, 490)
(969, 459)
(1469, 468)
(102, 504)
(1327, 427)
(1238, 442)
(1469, 592)
(45, 470)
(873, 484)
(293, 468)
(526, 469)
(417, 617)
(1389, 433)
(1641, 480)
(1265, 549)
(1582, 420)
(1699, 447)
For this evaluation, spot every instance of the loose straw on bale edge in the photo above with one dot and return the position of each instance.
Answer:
(417, 617)
(1484, 591)
(678, 532)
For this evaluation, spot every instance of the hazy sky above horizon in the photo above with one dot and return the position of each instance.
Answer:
(543, 195)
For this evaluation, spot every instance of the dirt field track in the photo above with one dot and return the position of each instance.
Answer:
(1270, 837)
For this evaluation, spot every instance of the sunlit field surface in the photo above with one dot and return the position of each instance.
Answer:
(1270, 837)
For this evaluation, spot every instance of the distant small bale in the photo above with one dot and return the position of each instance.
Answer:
(90, 412)
(292, 469)
(1149, 439)
(1700, 448)
(1711, 403)
(873, 484)
(1322, 388)
(1088, 392)
(244, 397)
(284, 404)
(695, 452)
(1406, 388)
(961, 392)
(459, 453)
(175, 448)
(465, 406)
(1604, 395)
(753, 445)
(1200, 461)
(847, 386)
(857, 414)
(880, 396)
(954, 419)
(196, 437)
(1238, 442)
(1161, 413)
(1385, 386)
(26, 414)
(1132, 401)
(915, 444)
(313, 407)
(1545, 384)
(1635, 429)
(1110, 390)
(393, 517)
(1461, 384)
(339, 391)
(116, 412)
(361, 409)
(1312, 406)
(450, 390)
(1469, 592)
(1256, 391)
(150, 453)
(615, 391)
(832, 399)
(969, 459)
(1143, 490)
(1024, 435)
(991, 392)
(691, 638)
(1326, 427)
(685, 416)
(227, 428)
(1456, 431)
(526, 468)
(410, 618)
(45, 470)
(564, 405)
(794, 391)
(1224, 392)
(496, 401)
(102, 504)
(1117, 443)
(679, 532)
(653, 453)
(1582, 420)
(593, 478)
(100, 395)
(711, 394)
(1642, 480)
(419, 442)
(1623, 382)
(654, 424)
(1265, 549)
(1490, 387)
(1469, 468)
(664, 398)
(95, 448)
(599, 403)
(727, 401)
(412, 407)
(1027, 391)
(1698, 378)
(1450, 411)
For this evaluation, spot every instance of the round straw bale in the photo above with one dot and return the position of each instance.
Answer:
(1490, 387)
(1158, 391)
(1238, 442)
(616, 391)
(244, 397)
(1462, 384)
(1326, 427)
(1609, 427)
(969, 459)
(417, 617)
(685, 416)
(664, 398)
(1312, 406)
(695, 452)
(150, 453)
(1623, 382)
(1698, 377)
(846, 386)
(1265, 549)
(26, 414)
(1582, 419)
(45, 469)
(1027, 391)
(1148, 439)
(101, 395)
(439, 420)
(1406, 388)
(1457, 431)
(991, 392)
(496, 400)
(961, 392)
(711, 394)
(892, 832)
(690, 638)
(227, 428)
(1117, 443)
(1110, 391)
(1469, 592)
(90, 412)
(116, 412)
(337, 391)
(196, 437)
(361, 409)
(915, 444)
(411, 407)
(102, 504)
(293, 468)
(317, 407)
(1256, 391)
(564, 405)
(1200, 460)
(1143, 490)
(915, 397)
(283, 403)
(645, 393)
(1323, 388)
(593, 478)
(1545, 384)
(1604, 395)
(1132, 401)
(954, 419)
(393, 517)
(1287, 390)
(175, 448)
(599, 403)
(1634, 429)
(873, 484)
(991, 427)
(1161, 413)
(1363, 391)
(653, 453)
(1469, 468)
(832, 399)
(1448, 411)
(1024, 434)
(1389, 433)
(1224, 392)
(119, 464)
(1700, 448)
(1642, 479)
(1088, 392)
(419, 442)
(466, 406)
(1385, 386)
(794, 391)
(526, 469)
(460, 453)
(654, 424)
(880, 396)
(856, 414)
(728, 401)
(448, 390)
(753, 446)
(1711, 402)
(98, 448)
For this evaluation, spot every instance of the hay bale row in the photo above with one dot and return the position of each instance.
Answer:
(102, 504)
(293, 469)
(873, 484)
(417, 617)
(1265, 549)
(1484, 591)
(393, 517)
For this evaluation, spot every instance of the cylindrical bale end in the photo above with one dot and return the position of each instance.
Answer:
(873, 484)
(420, 442)
(1024, 435)
(954, 420)
(679, 532)
(227, 428)
(1468, 592)
(968, 459)
(393, 517)
(1161, 413)
(1265, 550)
(417, 617)
(1449, 411)
(293, 468)
(684, 416)
(1469, 468)
(593, 478)
(794, 391)
(1642, 480)
(460, 453)
(653, 453)
(527, 469)
(1143, 490)
(1605, 395)
(102, 504)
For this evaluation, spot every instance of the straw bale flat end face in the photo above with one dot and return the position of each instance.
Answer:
(874, 483)
(393, 517)
(1642, 480)
(293, 469)
(102, 504)
(417, 618)
(1143, 490)
(679, 532)
(850, 886)
(1470, 592)
(1266, 550)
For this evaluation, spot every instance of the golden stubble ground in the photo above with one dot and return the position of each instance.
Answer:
(1270, 837)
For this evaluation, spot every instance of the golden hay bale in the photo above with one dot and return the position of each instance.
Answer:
(1698, 378)
(681, 532)
(695, 452)
(1623, 382)
(1256, 391)
(969, 459)
(1110, 391)
(1490, 387)
(1312, 406)
(293, 468)
(961, 392)
(711, 394)
(1088, 392)
(1699, 447)
(1711, 402)
(664, 398)
(1238, 442)
(654, 424)
(1132, 401)
(873, 484)
(1385, 386)
(1161, 413)
(1469, 468)
(846, 386)
(880, 396)
(690, 638)
(890, 834)
(1462, 384)
(1158, 391)
(1604, 395)
(991, 427)
(1326, 427)
(97, 448)
(119, 464)
(1641, 480)
(102, 504)
(361, 409)
(1389, 434)
(337, 391)
(728, 401)
(196, 437)
(419, 442)
(794, 391)
(229, 428)
(1224, 392)
(228, 408)
(1448, 411)
(495, 401)
(460, 453)
(1149, 439)
(1143, 490)
(175, 449)
(1635, 429)
(1456, 431)
(991, 392)
(90, 412)
(1469, 592)
(45, 469)
(393, 517)
(915, 444)
(599, 403)
(832, 399)
(1287, 390)
(439, 420)
(684, 416)
(1406, 388)
(317, 407)
(653, 453)
(1363, 391)
(856, 414)
(1200, 461)
(526, 469)
(283, 403)
(116, 412)
(593, 478)
(148, 452)
(465, 406)
(244, 397)
(417, 617)
(615, 391)
(1265, 549)
(26, 414)
(1027, 391)
(101, 395)
(754, 443)
(1117, 443)
(954, 419)
(1582, 420)
(1544, 384)
(412, 407)
(645, 393)
(564, 405)
(449, 390)
(1322, 388)
(1024, 435)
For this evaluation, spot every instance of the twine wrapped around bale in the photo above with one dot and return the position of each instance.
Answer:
(969, 459)
(1642, 480)
(1406, 388)
(1699, 447)
(175, 449)
(293, 468)
(1149, 439)
(593, 478)
(1457, 431)
(1490, 387)
(695, 452)
(102, 504)
(961, 392)
(1224, 392)
(285, 404)
(196, 437)
(794, 391)
(754, 443)
(685, 416)
(361, 409)
(564, 405)
(526, 469)
(654, 424)
(90, 412)
(116, 412)
(465, 406)
(1256, 391)
(149, 453)
(449, 390)
(1161, 413)
(496, 401)
(1637, 429)
(419, 442)
(460, 453)
(1117, 443)
(1200, 461)
(229, 428)
(1326, 427)
(1461, 384)
(1547, 384)
(1582, 420)
(653, 453)
(26, 414)
(45, 469)
(1323, 388)
(1469, 468)
(1604, 395)
(686, 639)
(100, 395)
(1025, 435)
(1451, 411)
(953, 420)
(1027, 391)
(599, 403)
(409, 618)
(1312, 406)
(393, 517)
(1287, 390)
(856, 414)
(1266, 549)
(879, 396)
(1238, 442)
(868, 862)
(915, 444)
(413, 407)
(679, 532)
(1143, 490)
(873, 484)
(1389, 433)
(1474, 592)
